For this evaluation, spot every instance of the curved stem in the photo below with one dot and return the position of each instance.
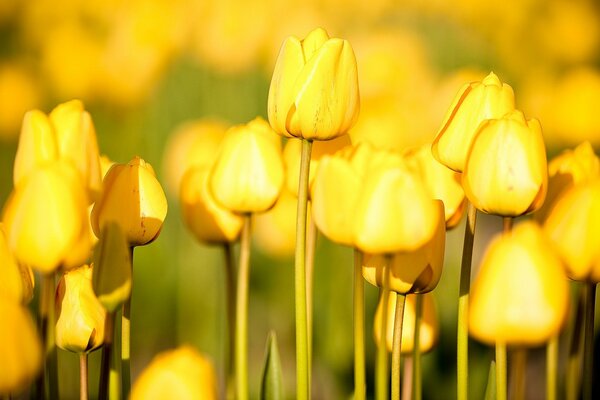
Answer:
(302, 365)
(462, 339)
(241, 328)
(397, 345)
(551, 367)
(230, 306)
(588, 345)
(416, 381)
(360, 386)
(500, 371)
(83, 376)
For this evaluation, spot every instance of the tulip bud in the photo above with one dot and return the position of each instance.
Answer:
(45, 218)
(521, 295)
(428, 328)
(474, 103)
(416, 271)
(133, 198)
(573, 225)
(20, 348)
(506, 172)
(206, 219)
(182, 373)
(248, 174)
(17, 281)
(80, 316)
(274, 231)
(314, 89)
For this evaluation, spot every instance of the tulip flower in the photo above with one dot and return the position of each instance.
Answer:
(573, 226)
(474, 103)
(17, 280)
(80, 321)
(207, 220)
(132, 197)
(429, 328)
(20, 348)
(506, 172)
(182, 373)
(248, 174)
(46, 219)
(521, 295)
(314, 89)
(275, 230)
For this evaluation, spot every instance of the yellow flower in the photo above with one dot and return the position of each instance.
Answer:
(19, 92)
(206, 219)
(17, 280)
(416, 271)
(20, 348)
(80, 316)
(314, 89)
(132, 197)
(573, 227)
(274, 231)
(428, 328)
(248, 174)
(182, 374)
(443, 183)
(46, 218)
(521, 295)
(474, 103)
(506, 171)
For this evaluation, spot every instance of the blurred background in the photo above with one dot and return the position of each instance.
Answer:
(144, 67)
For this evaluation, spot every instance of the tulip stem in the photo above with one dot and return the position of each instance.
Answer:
(588, 345)
(381, 366)
(462, 339)
(397, 345)
(241, 327)
(311, 241)
(551, 367)
(575, 351)
(302, 365)
(416, 381)
(83, 376)
(126, 342)
(105, 363)
(47, 383)
(500, 371)
(360, 386)
(518, 373)
(230, 296)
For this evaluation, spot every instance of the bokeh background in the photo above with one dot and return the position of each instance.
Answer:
(144, 67)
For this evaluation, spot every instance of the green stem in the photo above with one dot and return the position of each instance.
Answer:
(241, 328)
(518, 373)
(47, 382)
(230, 303)
(126, 342)
(500, 371)
(416, 381)
(311, 241)
(381, 366)
(360, 386)
(83, 376)
(551, 367)
(588, 346)
(105, 363)
(302, 366)
(573, 380)
(397, 345)
(462, 340)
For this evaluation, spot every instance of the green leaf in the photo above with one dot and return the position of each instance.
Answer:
(490, 390)
(271, 387)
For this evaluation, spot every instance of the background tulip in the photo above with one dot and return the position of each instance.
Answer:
(17, 281)
(275, 230)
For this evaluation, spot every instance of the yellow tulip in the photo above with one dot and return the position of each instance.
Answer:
(248, 174)
(105, 164)
(506, 171)
(80, 316)
(46, 218)
(182, 373)
(19, 92)
(573, 225)
(20, 348)
(416, 271)
(474, 103)
(443, 183)
(428, 328)
(17, 280)
(274, 231)
(132, 197)
(206, 219)
(521, 294)
(314, 89)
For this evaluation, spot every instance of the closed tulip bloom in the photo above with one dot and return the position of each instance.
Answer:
(521, 295)
(182, 373)
(80, 316)
(416, 271)
(20, 348)
(248, 174)
(274, 231)
(17, 280)
(573, 225)
(46, 218)
(314, 89)
(474, 103)
(205, 218)
(506, 171)
(132, 197)
(428, 328)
